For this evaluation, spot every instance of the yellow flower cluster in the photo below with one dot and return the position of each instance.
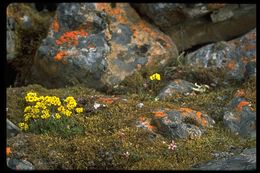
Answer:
(31, 97)
(155, 76)
(71, 103)
(47, 106)
(23, 126)
(79, 110)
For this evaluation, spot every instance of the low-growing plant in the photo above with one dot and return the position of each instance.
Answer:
(44, 114)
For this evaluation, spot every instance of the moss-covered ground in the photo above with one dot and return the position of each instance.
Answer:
(111, 132)
(108, 138)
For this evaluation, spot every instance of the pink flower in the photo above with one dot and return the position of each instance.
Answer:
(172, 146)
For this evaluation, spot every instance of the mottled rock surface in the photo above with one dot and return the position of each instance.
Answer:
(95, 44)
(240, 118)
(196, 24)
(182, 123)
(17, 164)
(245, 161)
(169, 14)
(232, 57)
(177, 86)
(11, 129)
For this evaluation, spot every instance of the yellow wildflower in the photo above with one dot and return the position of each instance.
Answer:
(61, 108)
(155, 76)
(57, 116)
(31, 97)
(23, 126)
(79, 110)
(69, 99)
(27, 109)
(35, 110)
(40, 105)
(35, 116)
(45, 114)
(27, 116)
(67, 113)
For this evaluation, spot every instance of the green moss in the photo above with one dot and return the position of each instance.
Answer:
(111, 132)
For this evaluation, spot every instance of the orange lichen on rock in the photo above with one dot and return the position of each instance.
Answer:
(241, 105)
(106, 100)
(8, 151)
(245, 60)
(204, 122)
(150, 127)
(60, 55)
(159, 114)
(249, 47)
(142, 118)
(185, 111)
(198, 115)
(240, 93)
(55, 25)
(71, 37)
(142, 30)
(116, 12)
(232, 64)
(147, 124)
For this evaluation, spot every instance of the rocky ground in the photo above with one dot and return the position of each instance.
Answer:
(200, 114)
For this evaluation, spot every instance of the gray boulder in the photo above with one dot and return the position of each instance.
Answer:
(245, 161)
(236, 57)
(200, 23)
(17, 164)
(177, 86)
(240, 118)
(11, 129)
(182, 123)
(98, 45)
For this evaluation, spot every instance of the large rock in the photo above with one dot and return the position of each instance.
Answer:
(176, 87)
(17, 164)
(11, 129)
(99, 45)
(233, 56)
(166, 15)
(246, 49)
(181, 123)
(245, 161)
(240, 118)
(196, 24)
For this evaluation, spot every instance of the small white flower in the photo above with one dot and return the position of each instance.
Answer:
(140, 105)
(126, 154)
(96, 105)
